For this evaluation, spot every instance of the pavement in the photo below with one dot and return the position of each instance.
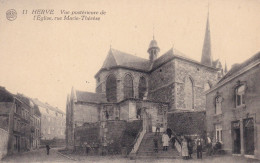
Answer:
(41, 156)
(36, 156)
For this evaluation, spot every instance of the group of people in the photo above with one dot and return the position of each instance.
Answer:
(185, 143)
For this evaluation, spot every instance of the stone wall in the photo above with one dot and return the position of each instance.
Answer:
(88, 133)
(187, 123)
(3, 142)
(199, 75)
(4, 122)
(108, 135)
(161, 84)
(85, 112)
(231, 113)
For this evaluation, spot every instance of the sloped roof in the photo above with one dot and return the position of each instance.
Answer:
(46, 105)
(170, 54)
(36, 110)
(236, 67)
(118, 58)
(90, 97)
(24, 99)
(5, 96)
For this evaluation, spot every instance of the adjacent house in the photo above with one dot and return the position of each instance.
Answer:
(232, 109)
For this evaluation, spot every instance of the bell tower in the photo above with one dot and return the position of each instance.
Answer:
(153, 50)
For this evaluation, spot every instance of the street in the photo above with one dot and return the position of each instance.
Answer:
(40, 156)
(37, 156)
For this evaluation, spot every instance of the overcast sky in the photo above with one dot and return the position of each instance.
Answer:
(44, 59)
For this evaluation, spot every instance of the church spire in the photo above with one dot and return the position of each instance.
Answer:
(206, 57)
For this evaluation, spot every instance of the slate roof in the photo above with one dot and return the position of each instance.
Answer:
(36, 110)
(90, 97)
(46, 105)
(236, 67)
(5, 96)
(117, 58)
(170, 54)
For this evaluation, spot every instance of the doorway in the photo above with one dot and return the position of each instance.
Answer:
(249, 136)
(236, 137)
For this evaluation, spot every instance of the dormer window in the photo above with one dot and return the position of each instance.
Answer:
(240, 95)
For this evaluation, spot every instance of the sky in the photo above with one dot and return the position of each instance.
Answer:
(45, 59)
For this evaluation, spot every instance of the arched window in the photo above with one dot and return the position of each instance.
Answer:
(142, 87)
(189, 94)
(128, 87)
(207, 86)
(240, 95)
(111, 88)
(218, 105)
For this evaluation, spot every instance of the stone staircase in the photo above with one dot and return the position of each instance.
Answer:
(146, 149)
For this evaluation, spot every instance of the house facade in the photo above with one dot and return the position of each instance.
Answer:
(52, 121)
(16, 117)
(232, 109)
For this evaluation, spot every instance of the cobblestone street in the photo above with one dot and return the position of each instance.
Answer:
(40, 156)
(37, 156)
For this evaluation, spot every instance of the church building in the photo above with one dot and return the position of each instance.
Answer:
(127, 86)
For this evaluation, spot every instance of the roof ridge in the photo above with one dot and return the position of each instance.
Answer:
(126, 53)
(111, 50)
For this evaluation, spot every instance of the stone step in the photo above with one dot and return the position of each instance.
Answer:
(157, 157)
(146, 149)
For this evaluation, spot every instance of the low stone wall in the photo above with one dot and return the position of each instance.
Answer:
(3, 143)
(108, 137)
(187, 123)
(130, 134)
(88, 133)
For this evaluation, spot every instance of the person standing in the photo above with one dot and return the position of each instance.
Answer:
(165, 140)
(209, 145)
(184, 149)
(190, 148)
(48, 149)
(158, 125)
(199, 149)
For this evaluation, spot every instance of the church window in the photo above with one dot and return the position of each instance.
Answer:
(111, 88)
(142, 87)
(189, 94)
(240, 95)
(218, 105)
(128, 87)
